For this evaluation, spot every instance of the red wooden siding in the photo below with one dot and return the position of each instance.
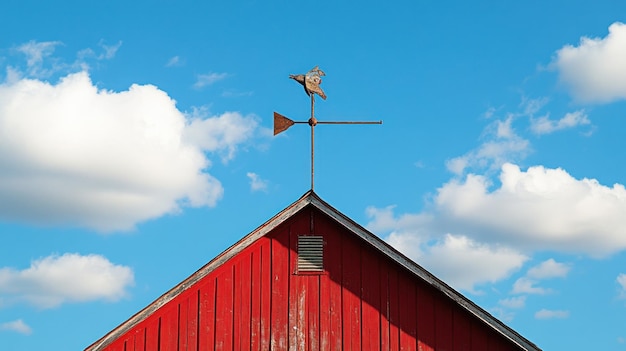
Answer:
(362, 301)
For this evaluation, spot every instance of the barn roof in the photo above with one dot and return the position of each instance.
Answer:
(310, 198)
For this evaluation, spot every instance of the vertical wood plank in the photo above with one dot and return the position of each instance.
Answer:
(297, 297)
(351, 266)
(313, 310)
(140, 338)
(152, 333)
(443, 324)
(297, 313)
(480, 338)
(206, 323)
(408, 320)
(169, 328)
(129, 343)
(325, 312)
(237, 290)
(499, 343)
(330, 286)
(245, 318)
(300, 311)
(313, 293)
(461, 330)
(425, 318)
(183, 318)
(394, 310)
(280, 291)
(224, 310)
(266, 293)
(255, 298)
(193, 302)
(385, 306)
(370, 301)
(336, 314)
(117, 345)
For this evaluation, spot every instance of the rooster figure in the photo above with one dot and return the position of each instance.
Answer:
(311, 81)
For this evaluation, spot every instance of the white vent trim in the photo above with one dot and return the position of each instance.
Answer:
(310, 253)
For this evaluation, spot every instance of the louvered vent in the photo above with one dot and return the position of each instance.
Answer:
(310, 254)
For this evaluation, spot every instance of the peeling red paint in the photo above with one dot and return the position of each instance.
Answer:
(255, 300)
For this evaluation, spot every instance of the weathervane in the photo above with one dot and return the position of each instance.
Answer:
(311, 82)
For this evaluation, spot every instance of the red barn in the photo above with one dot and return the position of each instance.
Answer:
(312, 279)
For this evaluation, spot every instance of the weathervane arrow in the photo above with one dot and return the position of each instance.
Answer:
(311, 82)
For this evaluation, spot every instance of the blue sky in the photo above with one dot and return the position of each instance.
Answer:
(136, 145)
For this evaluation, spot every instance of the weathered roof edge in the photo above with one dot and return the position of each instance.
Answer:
(202, 272)
(311, 198)
(421, 272)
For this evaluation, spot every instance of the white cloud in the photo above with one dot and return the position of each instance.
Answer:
(536, 209)
(174, 61)
(458, 165)
(35, 53)
(71, 153)
(545, 125)
(502, 145)
(17, 326)
(505, 307)
(108, 51)
(383, 219)
(503, 314)
(491, 155)
(465, 263)
(549, 269)
(595, 70)
(208, 79)
(551, 314)
(531, 106)
(621, 280)
(539, 208)
(526, 285)
(220, 134)
(529, 284)
(516, 302)
(491, 111)
(458, 260)
(256, 183)
(54, 280)
(504, 129)
(234, 93)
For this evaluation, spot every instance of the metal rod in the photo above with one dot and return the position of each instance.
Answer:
(312, 123)
(312, 106)
(312, 156)
(333, 122)
(349, 122)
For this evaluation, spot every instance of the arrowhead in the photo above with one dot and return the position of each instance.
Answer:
(281, 123)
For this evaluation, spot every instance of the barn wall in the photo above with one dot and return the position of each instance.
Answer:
(363, 301)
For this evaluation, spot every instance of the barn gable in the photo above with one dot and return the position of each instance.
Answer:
(312, 279)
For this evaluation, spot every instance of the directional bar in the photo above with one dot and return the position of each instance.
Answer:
(349, 122)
